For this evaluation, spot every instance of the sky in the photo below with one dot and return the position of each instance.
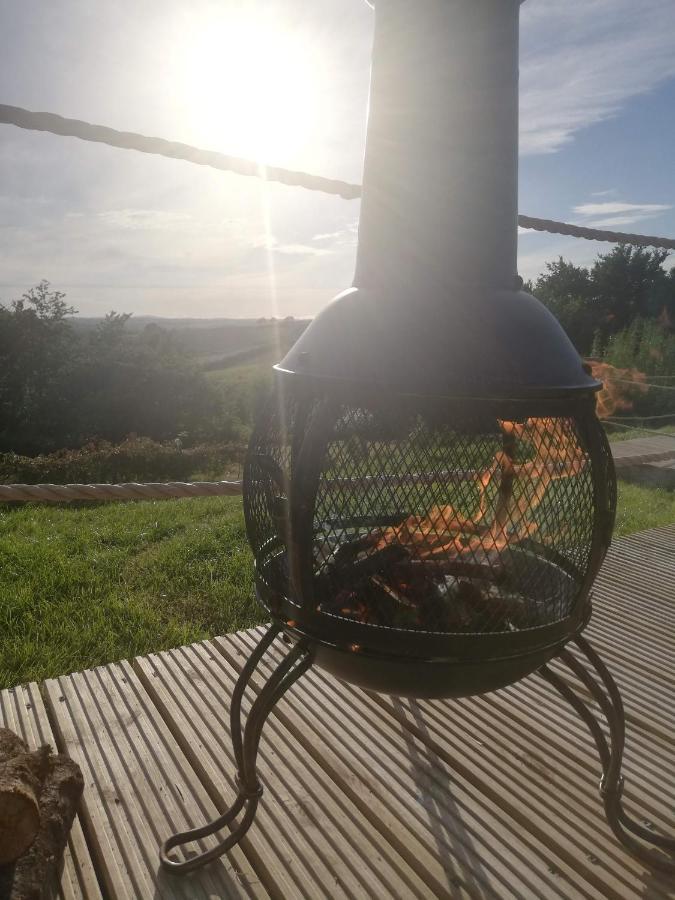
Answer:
(286, 82)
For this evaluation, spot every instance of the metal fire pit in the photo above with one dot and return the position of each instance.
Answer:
(428, 547)
(429, 494)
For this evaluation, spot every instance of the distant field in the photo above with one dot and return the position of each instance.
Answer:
(84, 586)
(244, 389)
(219, 342)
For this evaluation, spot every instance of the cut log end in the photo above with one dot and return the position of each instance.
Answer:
(19, 823)
(39, 794)
(21, 780)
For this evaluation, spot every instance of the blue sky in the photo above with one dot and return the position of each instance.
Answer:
(287, 81)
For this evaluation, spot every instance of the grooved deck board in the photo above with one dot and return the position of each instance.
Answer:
(558, 802)
(645, 448)
(396, 779)
(22, 710)
(306, 833)
(139, 788)
(371, 796)
(633, 627)
(471, 746)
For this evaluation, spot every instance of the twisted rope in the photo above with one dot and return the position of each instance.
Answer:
(595, 234)
(128, 140)
(646, 384)
(65, 493)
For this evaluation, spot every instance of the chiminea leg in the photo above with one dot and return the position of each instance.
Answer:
(607, 696)
(245, 744)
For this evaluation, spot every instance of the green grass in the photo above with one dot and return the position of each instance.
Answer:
(84, 586)
(628, 434)
(81, 586)
(242, 378)
(640, 507)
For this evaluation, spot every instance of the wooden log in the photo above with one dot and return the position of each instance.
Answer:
(439, 565)
(10, 745)
(21, 778)
(33, 874)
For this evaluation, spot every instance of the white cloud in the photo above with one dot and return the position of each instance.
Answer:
(612, 214)
(143, 219)
(301, 250)
(345, 236)
(594, 209)
(582, 60)
(270, 243)
(549, 247)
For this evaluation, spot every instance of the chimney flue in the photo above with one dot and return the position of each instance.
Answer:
(441, 169)
(436, 308)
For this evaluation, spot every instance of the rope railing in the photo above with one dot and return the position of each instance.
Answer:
(129, 140)
(66, 493)
(66, 127)
(646, 384)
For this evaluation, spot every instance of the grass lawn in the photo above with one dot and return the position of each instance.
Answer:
(628, 434)
(84, 586)
(88, 585)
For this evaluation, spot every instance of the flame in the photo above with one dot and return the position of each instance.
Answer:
(616, 390)
(555, 454)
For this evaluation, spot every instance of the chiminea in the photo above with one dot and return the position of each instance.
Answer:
(429, 493)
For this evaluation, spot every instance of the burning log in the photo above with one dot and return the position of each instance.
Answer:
(356, 558)
(494, 572)
(390, 586)
(446, 570)
(39, 793)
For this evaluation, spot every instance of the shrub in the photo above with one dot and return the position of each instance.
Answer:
(135, 459)
(62, 385)
(648, 346)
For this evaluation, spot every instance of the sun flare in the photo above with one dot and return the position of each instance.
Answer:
(249, 86)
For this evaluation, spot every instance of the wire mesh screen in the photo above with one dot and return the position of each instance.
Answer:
(414, 521)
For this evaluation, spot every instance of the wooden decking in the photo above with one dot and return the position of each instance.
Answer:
(651, 449)
(369, 796)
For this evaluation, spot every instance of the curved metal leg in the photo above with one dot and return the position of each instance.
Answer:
(245, 743)
(607, 696)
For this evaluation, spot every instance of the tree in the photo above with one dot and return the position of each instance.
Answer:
(592, 305)
(37, 354)
(567, 291)
(628, 283)
(61, 386)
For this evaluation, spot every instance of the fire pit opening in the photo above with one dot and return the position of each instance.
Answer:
(436, 531)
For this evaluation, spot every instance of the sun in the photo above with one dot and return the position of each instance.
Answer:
(248, 85)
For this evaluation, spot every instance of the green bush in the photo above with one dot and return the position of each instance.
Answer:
(598, 303)
(647, 345)
(62, 385)
(135, 459)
